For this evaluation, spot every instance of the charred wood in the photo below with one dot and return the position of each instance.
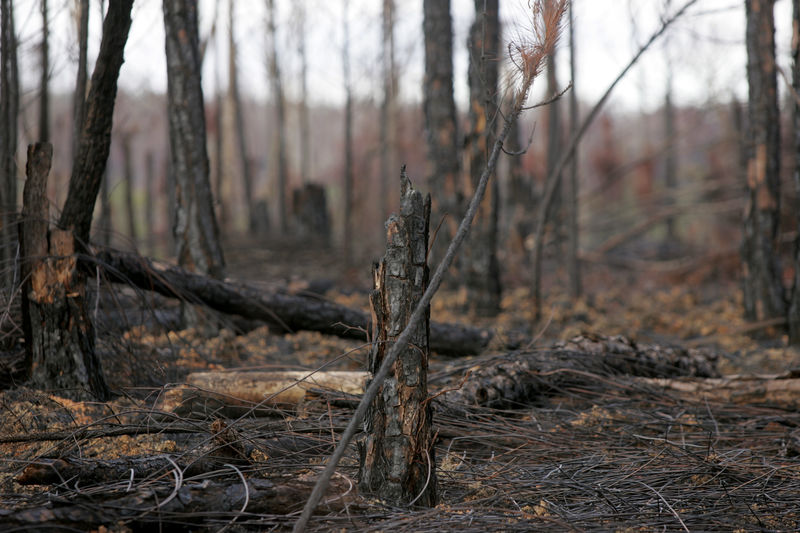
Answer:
(284, 311)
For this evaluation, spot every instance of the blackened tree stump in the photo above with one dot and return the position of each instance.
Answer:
(397, 460)
(59, 335)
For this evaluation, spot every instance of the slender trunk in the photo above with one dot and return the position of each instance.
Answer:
(105, 224)
(219, 134)
(305, 143)
(280, 120)
(196, 231)
(388, 123)
(238, 115)
(150, 201)
(763, 292)
(397, 456)
(441, 129)
(554, 150)
(670, 140)
(79, 98)
(480, 265)
(794, 307)
(9, 110)
(44, 83)
(95, 142)
(128, 176)
(573, 264)
(348, 141)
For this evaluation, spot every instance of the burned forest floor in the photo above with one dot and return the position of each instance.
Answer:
(620, 411)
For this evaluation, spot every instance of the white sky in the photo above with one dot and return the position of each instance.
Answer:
(705, 48)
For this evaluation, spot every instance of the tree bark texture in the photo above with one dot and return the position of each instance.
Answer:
(79, 98)
(238, 117)
(794, 304)
(59, 336)
(279, 103)
(763, 292)
(44, 80)
(397, 461)
(285, 311)
(441, 129)
(95, 141)
(9, 109)
(195, 225)
(481, 270)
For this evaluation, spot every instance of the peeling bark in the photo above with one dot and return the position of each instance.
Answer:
(397, 461)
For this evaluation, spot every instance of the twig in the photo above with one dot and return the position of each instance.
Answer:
(554, 178)
(674, 513)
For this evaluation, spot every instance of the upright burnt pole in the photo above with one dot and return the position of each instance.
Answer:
(397, 459)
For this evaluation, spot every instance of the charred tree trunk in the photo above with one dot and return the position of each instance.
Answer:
(238, 117)
(44, 83)
(104, 225)
(794, 305)
(59, 337)
(305, 143)
(127, 159)
(441, 129)
(397, 461)
(480, 265)
(388, 123)
(763, 293)
(95, 142)
(9, 109)
(196, 232)
(219, 134)
(280, 120)
(79, 99)
(58, 331)
(573, 264)
(348, 141)
(670, 159)
(150, 201)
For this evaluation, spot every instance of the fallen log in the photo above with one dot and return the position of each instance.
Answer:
(517, 378)
(165, 503)
(232, 394)
(523, 378)
(71, 470)
(289, 312)
(777, 390)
